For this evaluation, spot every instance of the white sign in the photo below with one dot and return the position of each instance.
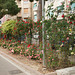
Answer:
(36, 36)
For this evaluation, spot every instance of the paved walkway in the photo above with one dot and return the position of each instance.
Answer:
(66, 71)
(28, 70)
(9, 68)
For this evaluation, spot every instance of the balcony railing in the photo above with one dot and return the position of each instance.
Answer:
(26, 15)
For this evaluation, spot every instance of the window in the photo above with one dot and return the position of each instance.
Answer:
(35, 5)
(35, 17)
(51, 13)
(73, 6)
(60, 8)
(25, 1)
(20, 10)
(26, 10)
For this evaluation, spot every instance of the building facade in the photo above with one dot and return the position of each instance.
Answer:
(25, 9)
(35, 10)
(57, 5)
(29, 9)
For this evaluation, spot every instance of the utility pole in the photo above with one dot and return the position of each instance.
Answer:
(43, 33)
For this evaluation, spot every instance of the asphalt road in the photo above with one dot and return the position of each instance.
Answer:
(8, 68)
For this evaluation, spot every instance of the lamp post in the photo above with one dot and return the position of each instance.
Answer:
(43, 15)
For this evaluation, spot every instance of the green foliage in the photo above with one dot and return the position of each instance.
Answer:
(38, 26)
(36, 0)
(31, 0)
(52, 59)
(21, 27)
(12, 7)
(50, 9)
(8, 26)
(8, 7)
(72, 1)
(60, 38)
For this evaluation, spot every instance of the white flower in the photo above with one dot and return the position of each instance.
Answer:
(12, 51)
(70, 48)
(70, 33)
(72, 53)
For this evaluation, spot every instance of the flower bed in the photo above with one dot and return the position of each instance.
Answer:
(59, 35)
(14, 47)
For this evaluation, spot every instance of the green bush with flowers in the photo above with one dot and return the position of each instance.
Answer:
(8, 27)
(33, 52)
(59, 38)
(22, 28)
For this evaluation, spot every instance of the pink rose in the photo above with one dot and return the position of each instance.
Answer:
(67, 6)
(52, 59)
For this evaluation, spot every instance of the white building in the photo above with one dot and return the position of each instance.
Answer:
(57, 5)
(25, 9)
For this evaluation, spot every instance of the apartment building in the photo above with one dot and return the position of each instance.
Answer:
(57, 5)
(25, 9)
(35, 9)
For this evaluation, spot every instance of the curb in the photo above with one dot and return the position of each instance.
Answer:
(52, 73)
(66, 71)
